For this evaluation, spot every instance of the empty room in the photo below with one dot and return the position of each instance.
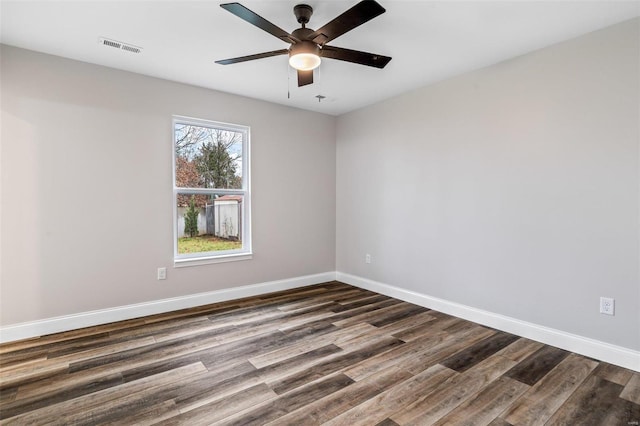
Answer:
(320, 213)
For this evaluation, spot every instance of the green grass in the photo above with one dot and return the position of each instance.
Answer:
(204, 243)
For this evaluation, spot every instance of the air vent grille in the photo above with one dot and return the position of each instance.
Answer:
(129, 48)
(119, 45)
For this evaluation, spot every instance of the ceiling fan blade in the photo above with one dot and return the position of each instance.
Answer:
(253, 18)
(252, 57)
(357, 15)
(355, 56)
(305, 77)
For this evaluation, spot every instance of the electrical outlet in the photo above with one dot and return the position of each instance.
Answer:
(607, 306)
(367, 258)
(162, 273)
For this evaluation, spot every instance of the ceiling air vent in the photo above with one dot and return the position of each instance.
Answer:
(119, 45)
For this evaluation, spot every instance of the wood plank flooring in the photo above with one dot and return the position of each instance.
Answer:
(325, 354)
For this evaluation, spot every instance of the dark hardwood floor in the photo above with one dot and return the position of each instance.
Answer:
(326, 354)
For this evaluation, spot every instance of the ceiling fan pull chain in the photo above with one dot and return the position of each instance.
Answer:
(288, 81)
(320, 96)
(319, 84)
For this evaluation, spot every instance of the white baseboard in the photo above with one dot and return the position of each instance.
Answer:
(103, 316)
(612, 354)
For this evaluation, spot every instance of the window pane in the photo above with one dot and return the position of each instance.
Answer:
(209, 223)
(208, 157)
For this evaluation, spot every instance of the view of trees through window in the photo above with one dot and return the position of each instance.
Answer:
(209, 188)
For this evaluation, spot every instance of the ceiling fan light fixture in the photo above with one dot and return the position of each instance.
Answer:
(304, 61)
(304, 56)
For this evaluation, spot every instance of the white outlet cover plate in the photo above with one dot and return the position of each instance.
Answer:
(162, 273)
(607, 306)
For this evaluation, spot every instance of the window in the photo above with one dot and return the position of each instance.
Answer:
(210, 192)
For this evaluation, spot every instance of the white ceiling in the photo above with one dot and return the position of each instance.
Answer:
(428, 40)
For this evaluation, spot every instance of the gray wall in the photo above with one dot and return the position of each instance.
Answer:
(86, 188)
(512, 189)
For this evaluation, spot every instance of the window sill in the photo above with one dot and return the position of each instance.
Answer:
(196, 261)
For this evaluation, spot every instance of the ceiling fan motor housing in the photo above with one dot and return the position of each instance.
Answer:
(304, 47)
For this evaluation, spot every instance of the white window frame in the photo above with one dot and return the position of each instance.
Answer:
(245, 253)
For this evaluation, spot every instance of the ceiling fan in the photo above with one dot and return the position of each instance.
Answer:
(309, 46)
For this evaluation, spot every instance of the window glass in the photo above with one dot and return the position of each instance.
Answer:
(211, 189)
